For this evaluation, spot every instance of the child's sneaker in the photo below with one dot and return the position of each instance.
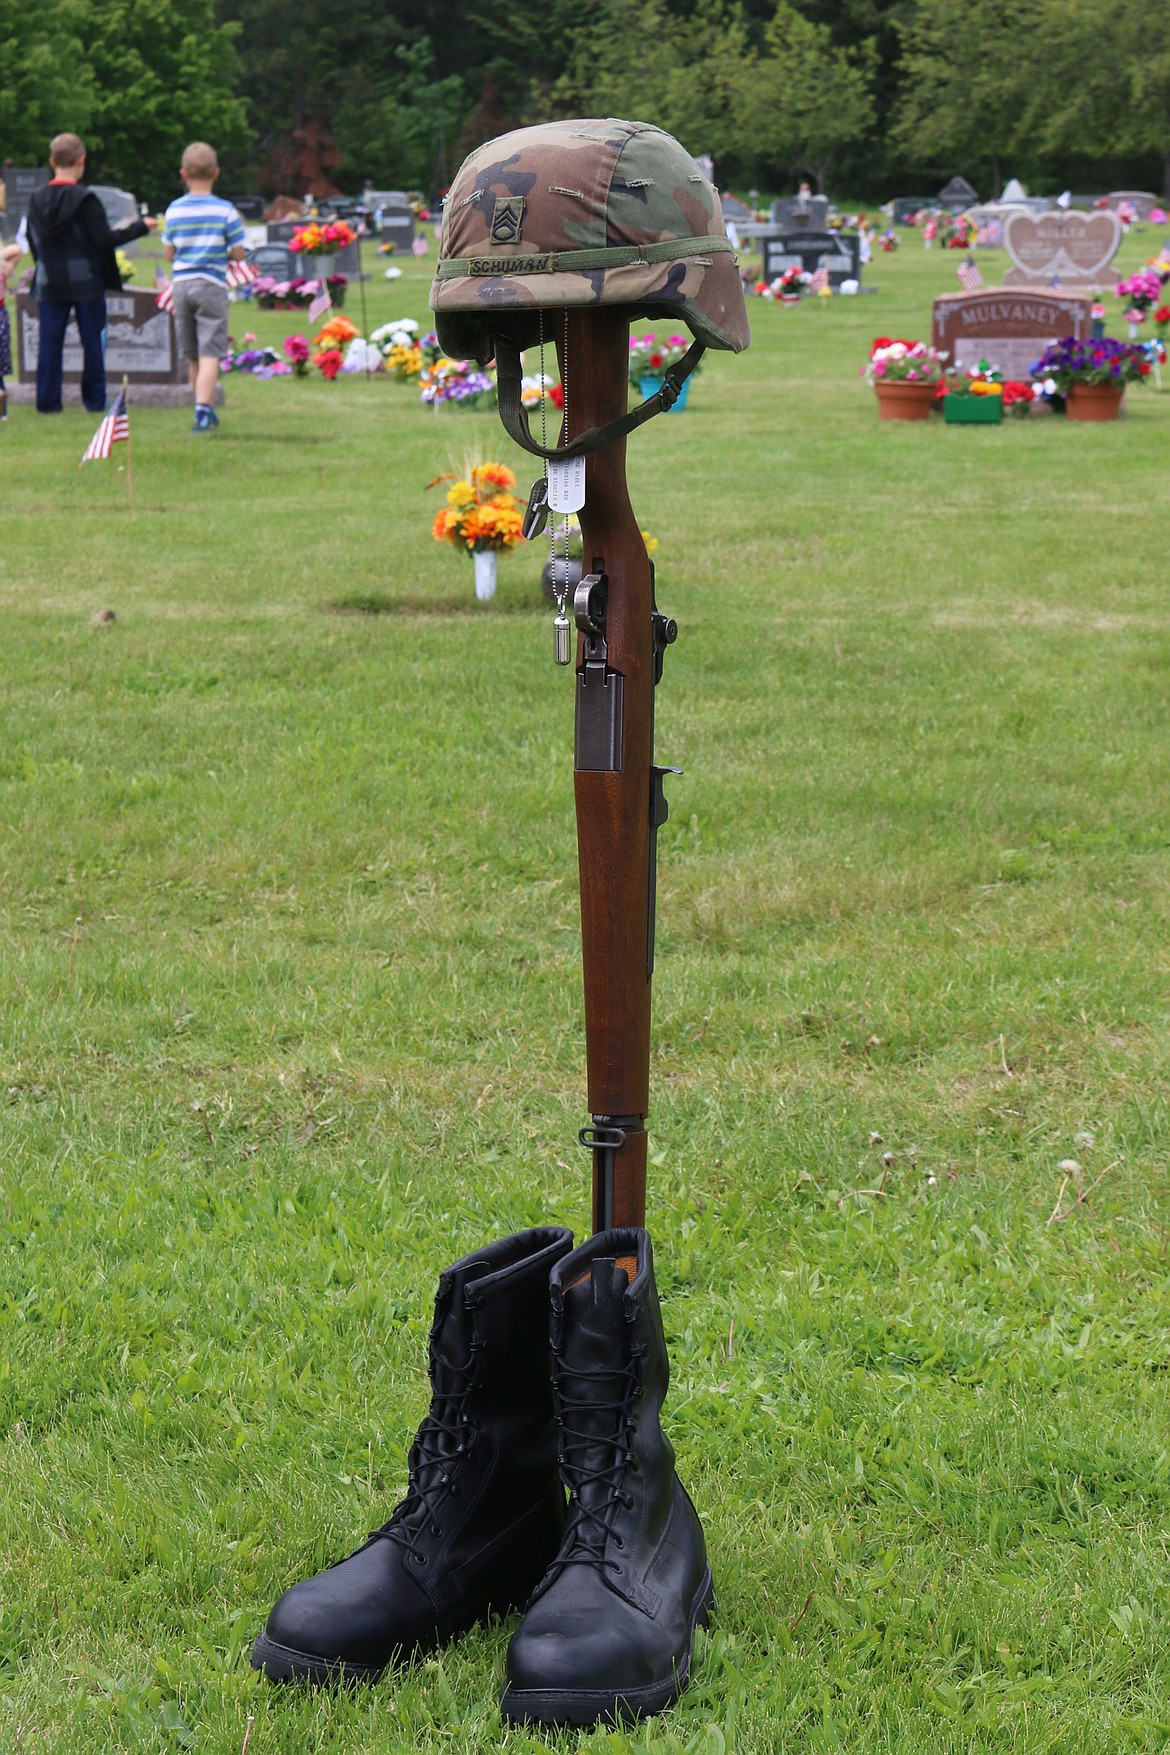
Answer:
(204, 419)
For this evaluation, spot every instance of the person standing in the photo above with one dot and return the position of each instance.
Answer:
(74, 247)
(10, 255)
(201, 233)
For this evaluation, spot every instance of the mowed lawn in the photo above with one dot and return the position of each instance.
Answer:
(290, 1017)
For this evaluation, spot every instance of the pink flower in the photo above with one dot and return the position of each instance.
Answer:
(879, 368)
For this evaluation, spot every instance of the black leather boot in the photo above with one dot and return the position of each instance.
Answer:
(608, 1633)
(484, 1510)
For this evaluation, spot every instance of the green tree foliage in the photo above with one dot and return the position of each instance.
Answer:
(810, 96)
(137, 78)
(882, 96)
(46, 81)
(164, 73)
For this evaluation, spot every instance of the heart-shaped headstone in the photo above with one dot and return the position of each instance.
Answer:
(1062, 246)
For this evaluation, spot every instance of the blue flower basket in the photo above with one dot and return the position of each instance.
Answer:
(650, 386)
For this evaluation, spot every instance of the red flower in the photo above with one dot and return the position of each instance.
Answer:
(329, 362)
(1162, 315)
(557, 396)
(879, 341)
(655, 360)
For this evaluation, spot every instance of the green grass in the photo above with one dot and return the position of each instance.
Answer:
(290, 1016)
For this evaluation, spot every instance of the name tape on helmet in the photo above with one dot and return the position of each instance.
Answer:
(512, 264)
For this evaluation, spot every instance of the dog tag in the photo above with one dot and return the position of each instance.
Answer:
(566, 484)
(536, 512)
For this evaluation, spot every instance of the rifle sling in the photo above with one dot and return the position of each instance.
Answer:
(515, 416)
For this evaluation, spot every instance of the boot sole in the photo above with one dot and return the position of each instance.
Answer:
(283, 1663)
(592, 1706)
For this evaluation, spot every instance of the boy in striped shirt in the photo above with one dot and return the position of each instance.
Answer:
(201, 233)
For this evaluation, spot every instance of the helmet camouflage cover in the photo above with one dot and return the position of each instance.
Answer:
(580, 213)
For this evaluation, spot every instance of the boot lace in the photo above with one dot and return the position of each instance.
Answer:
(590, 1422)
(440, 1446)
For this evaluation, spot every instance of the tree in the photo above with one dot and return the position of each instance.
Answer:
(46, 84)
(163, 74)
(969, 76)
(810, 97)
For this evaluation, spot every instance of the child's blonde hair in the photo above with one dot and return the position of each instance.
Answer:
(65, 151)
(200, 162)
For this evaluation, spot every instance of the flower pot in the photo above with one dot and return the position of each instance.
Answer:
(650, 386)
(1094, 401)
(973, 411)
(903, 400)
(485, 573)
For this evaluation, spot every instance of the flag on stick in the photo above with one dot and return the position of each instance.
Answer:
(166, 292)
(321, 301)
(820, 281)
(970, 279)
(114, 428)
(241, 274)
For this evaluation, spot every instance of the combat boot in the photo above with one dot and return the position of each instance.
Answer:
(607, 1636)
(484, 1509)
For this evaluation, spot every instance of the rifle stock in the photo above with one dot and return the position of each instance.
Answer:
(616, 796)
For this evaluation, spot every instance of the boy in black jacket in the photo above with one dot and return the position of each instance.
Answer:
(70, 237)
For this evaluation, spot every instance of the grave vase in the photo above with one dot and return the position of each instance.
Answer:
(1094, 401)
(650, 386)
(902, 400)
(485, 573)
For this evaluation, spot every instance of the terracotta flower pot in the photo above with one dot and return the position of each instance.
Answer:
(903, 400)
(1094, 401)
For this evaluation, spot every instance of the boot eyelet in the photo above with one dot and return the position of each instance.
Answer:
(628, 1501)
(618, 1543)
(435, 1530)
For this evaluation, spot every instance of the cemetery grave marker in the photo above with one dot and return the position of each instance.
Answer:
(19, 183)
(140, 346)
(1074, 249)
(839, 252)
(957, 196)
(1008, 329)
(278, 261)
(398, 227)
(797, 213)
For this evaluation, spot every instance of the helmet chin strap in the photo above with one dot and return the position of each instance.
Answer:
(515, 416)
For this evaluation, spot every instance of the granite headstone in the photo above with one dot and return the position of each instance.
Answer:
(1007, 328)
(839, 252)
(1068, 248)
(140, 345)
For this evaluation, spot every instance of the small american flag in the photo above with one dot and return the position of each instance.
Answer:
(970, 278)
(820, 281)
(166, 292)
(321, 302)
(241, 274)
(114, 428)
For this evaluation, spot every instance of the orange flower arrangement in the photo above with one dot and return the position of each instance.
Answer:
(481, 512)
(337, 333)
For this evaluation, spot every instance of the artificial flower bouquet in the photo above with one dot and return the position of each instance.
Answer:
(297, 352)
(1069, 361)
(650, 358)
(322, 240)
(293, 295)
(456, 381)
(904, 362)
(398, 344)
(482, 513)
(1141, 292)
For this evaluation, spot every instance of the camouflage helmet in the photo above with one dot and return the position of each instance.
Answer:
(583, 213)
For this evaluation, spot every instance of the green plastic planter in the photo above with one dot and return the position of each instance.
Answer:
(975, 411)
